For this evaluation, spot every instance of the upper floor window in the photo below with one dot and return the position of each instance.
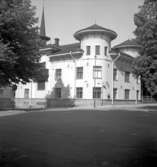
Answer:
(41, 85)
(88, 49)
(79, 72)
(97, 50)
(97, 72)
(127, 77)
(105, 50)
(58, 74)
(79, 92)
(115, 74)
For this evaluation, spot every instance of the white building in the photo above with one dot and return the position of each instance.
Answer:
(87, 71)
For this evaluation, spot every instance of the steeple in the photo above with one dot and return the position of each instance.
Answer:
(42, 26)
(42, 34)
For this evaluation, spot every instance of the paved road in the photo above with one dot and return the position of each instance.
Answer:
(135, 107)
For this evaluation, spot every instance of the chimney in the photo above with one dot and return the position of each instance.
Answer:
(57, 41)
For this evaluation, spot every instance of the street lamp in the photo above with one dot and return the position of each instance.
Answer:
(113, 62)
(74, 72)
(94, 81)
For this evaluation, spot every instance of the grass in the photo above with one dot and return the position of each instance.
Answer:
(79, 139)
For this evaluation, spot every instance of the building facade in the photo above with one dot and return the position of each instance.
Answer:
(88, 71)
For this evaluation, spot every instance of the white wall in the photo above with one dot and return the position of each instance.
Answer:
(87, 83)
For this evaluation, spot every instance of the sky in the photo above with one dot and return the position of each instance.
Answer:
(64, 17)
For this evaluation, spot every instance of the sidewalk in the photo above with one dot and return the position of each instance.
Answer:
(129, 107)
(11, 112)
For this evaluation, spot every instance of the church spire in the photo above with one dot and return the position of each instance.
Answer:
(42, 26)
(42, 34)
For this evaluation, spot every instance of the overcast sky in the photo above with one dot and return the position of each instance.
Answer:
(64, 17)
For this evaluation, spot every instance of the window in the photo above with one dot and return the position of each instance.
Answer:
(115, 76)
(1, 91)
(105, 50)
(41, 85)
(127, 94)
(97, 72)
(79, 92)
(79, 72)
(58, 74)
(43, 64)
(97, 50)
(137, 94)
(115, 93)
(26, 93)
(96, 92)
(58, 92)
(88, 50)
(127, 76)
(137, 79)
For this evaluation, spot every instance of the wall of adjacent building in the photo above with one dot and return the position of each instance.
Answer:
(132, 85)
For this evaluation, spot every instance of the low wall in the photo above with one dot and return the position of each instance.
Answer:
(52, 103)
(30, 103)
(6, 103)
(101, 102)
(60, 103)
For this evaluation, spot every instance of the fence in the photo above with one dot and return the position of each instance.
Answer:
(148, 99)
(6, 103)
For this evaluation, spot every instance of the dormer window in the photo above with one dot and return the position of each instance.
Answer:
(97, 50)
(88, 48)
(105, 50)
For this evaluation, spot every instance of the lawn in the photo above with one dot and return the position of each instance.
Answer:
(79, 139)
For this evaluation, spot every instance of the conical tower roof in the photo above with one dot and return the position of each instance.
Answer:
(95, 29)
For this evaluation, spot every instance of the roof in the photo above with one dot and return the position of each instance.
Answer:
(49, 49)
(95, 28)
(68, 47)
(124, 62)
(132, 43)
(64, 52)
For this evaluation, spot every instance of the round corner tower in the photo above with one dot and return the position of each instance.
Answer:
(95, 41)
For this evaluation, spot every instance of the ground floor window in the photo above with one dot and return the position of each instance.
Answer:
(96, 92)
(26, 93)
(137, 95)
(1, 91)
(41, 85)
(58, 92)
(126, 94)
(115, 93)
(79, 92)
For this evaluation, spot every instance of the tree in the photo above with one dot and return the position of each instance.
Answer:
(146, 33)
(19, 42)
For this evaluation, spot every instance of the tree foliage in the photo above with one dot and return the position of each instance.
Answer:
(146, 33)
(19, 42)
